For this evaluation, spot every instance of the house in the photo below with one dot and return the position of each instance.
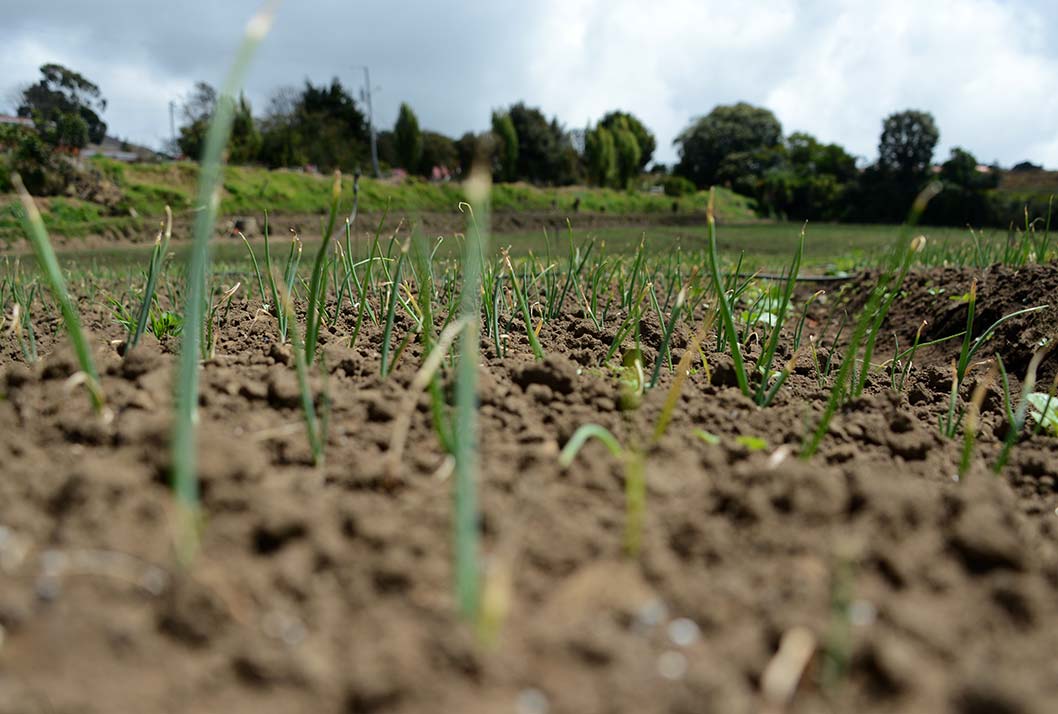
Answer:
(18, 121)
(119, 150)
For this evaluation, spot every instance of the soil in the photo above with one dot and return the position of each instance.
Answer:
(308, 226)
(329, 589)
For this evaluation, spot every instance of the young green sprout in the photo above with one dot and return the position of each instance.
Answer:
(185, 481)
(49, 265)
(634, 459)
(314, 430)
(467, 567)
(724, 306)
(318, 286)
(154, 269)
(973, 415)
(1016, 418)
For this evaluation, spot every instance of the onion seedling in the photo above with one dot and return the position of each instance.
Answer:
(972, 417)
(467, 568)
(724, 307)
(764, 394)
(154, 269)
(49, 265)
(185, 481)
(318, 285)
(314, 429)
(1016, 418)
(970, 347)
(523, 305)
(391, 312)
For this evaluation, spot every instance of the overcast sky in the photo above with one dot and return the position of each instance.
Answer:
(986, 69)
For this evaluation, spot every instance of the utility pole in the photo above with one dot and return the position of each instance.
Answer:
(172, 124)
(365, 94)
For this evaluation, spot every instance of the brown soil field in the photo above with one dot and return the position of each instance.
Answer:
(869, 578)
(308, 226)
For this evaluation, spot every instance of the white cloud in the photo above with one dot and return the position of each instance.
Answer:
(985, 68)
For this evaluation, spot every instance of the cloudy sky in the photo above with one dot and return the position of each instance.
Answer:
(986, 69)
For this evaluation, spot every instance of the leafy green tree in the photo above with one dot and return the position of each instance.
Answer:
(545, 151)
(809, 156)
(645, 139)
(316, 125)
(965, 197)
(808, 180)
(438, 150)
(905, 148)
(600, 153)
(333, 130)
(43, 171)
(407, 140)
(506, 149)
(65, 106)
(245, 144)
(469, 149)
(197, 109)
(628, 152)
(677, 186)
(961, 170)
(886, 190)
(726, 130)
(281, 143)
(744, 171)
(385, 142)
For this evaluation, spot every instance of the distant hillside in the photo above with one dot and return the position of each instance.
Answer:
(146, 189)
(1030, 181)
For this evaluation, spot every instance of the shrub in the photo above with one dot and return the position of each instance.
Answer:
(677, 186)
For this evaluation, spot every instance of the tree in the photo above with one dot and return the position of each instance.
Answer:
(469, 150)
(245, 143)
(333, 130)
(280, 138)
(628, 152)
(964, 198)
(197, 110)
(961, 170)
(726, 130)
(809, 156)
(407, 139)
(386, 145)
(600, 153)
(43, 172)
(810, 182)
(65, 106)
(887, 190)
(506, 150)
(644, 138)
(438, 150)
(906, 145)
(316, 125)
(545, 152)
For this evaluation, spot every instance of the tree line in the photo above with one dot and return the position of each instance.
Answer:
(741, 146)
